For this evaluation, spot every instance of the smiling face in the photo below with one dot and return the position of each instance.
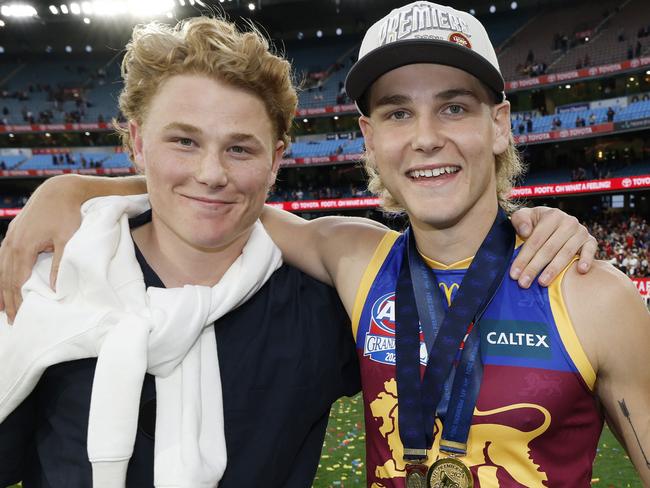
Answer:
(209, 155)
(432, 135)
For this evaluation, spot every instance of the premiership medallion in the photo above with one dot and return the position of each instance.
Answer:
(449, 473)
(416, 475)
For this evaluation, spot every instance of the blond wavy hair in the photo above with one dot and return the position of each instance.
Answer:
(208, 46)
(509, 167)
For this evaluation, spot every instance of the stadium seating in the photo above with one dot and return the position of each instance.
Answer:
(331, 57)
(517, 32)
(605, 47)
(638, 110)
(309, 149)
(537, 35)
(106, 158)
(12, 161)
(76, 73)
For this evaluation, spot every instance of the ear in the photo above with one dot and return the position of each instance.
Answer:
(365, 124)
(135, 131)
(277, 159)
(502, 132)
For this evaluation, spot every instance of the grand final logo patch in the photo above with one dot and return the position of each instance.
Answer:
(379, 344)
(461, 39)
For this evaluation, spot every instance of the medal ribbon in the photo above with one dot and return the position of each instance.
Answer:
(446, 335)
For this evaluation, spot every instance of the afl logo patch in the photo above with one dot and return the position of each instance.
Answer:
(461, 39)
(379, 342)
(383, 315)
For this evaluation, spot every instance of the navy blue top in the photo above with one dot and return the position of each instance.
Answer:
(285, 356)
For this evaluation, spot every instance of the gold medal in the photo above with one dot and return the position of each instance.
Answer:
(416, 475)
(449, 473)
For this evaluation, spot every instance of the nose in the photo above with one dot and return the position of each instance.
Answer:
(427, 136)
(211, 170)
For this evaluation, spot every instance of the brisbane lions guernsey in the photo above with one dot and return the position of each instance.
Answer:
(535, 424)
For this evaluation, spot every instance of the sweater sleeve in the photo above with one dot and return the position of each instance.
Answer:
(17, 442)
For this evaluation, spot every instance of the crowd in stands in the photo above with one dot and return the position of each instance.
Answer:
(69, 160)
(314, 192)
(532, 67)
(46, 103)
(583, 36)
(46, 116)
(624, 241)
(597, 171)
(526, 123)
(636, 50)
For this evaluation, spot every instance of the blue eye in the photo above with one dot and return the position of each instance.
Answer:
(399, 114)
(455, 109)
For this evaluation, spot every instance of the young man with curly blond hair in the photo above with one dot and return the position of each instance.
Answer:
(209, 109)
(208, 131)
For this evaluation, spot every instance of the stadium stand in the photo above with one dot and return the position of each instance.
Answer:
(568, 119)
(65, 97)
(622, 36)
(321, 67)
(623, 240)
(541, 40)
(12, 161)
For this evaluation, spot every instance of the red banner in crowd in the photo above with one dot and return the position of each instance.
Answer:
(575, 187)
(64, 150)
(577, 74)
(9, 212)
(336, 109)
(55, 127)
(54, 172)
(331, 204)
(564, 133)
(643, 285)
(321, 160)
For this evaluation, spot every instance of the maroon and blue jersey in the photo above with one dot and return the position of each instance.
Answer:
(536, 423)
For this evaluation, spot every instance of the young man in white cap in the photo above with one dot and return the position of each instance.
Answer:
(518, 400)
(468, 379)
(440, 167)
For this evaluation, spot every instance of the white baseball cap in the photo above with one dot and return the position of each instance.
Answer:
(424, 32)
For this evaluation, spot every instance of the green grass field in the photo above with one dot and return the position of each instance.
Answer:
(342, 461)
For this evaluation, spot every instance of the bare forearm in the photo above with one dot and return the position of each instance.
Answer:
(86, 187)
(295, 238)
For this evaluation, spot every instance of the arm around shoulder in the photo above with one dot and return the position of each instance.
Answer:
(613, 325)
(334, 250)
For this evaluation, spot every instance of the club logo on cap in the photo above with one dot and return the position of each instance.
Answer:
(459, 38)
(421, 19)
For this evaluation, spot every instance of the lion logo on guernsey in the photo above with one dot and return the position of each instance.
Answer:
(379, 343)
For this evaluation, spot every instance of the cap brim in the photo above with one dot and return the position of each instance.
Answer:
(397, 54)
